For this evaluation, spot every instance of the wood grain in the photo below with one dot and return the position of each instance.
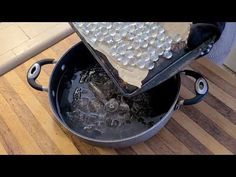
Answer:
(173, 143)
(190, 141)
(220, 82)
(204, 62)
(27, 125)
(217, 105)
(194, 129)
(12, 121)
(2, 150)
(213, 115)
(143, 149)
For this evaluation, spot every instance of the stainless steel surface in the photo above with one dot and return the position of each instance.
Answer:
(34, 71)
(201, 86)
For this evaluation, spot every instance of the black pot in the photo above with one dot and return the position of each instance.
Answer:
(164, 98)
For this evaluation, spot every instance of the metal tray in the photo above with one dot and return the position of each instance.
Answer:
(156, 76)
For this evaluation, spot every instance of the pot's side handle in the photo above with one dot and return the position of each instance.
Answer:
(34, 72)
(201, 89)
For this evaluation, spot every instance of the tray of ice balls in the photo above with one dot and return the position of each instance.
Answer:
(147, 52)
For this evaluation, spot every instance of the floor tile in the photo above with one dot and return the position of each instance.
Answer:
(34, 29)
(10, 37)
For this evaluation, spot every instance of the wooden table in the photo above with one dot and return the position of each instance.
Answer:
(27, 125)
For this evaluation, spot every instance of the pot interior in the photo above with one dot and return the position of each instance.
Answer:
(88, 102)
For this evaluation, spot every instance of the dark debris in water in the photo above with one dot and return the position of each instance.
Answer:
(98, 105)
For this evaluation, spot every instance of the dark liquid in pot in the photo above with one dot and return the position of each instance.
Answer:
(92, 106)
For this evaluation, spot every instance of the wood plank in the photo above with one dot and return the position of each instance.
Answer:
(221, 108)
(225, 97)
(217, 80)
(2, 150)
(106, 151)
(12, 121)
(210, 127)
(173, 143)
(89, 149)
(193, 144)
(73, 39)
(28, 120)
(142, 149)
(217, 70)
(207, 140)
(211, 100)
(8, 140)
(61, 47)
(55, 133)
(126, 151)
(84, 148)
(212, 114)
(158, 146)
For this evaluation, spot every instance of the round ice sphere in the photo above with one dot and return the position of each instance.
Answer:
(151, 50)
(161, 30)
(169, 39)
(136, 44)
(80, 24)
(140, 24)
(93, 40)
(119, 58)
(145, 56)
(117, 25)
(154, 27)
(149, 65)
(140, 63)
(161, 37)
(159, 51)
(112, 32)
(125, 60)
(108, 39)
(167, 46)
(130, 36)
(132, 62)
(167, 54)
(153, 33)
(121, 50)
(131, 28)
(138, 53)
(155, 57)
(144, 44)
(109, 25)
(123, 32)
(152, 41)
(92, 27)
(117, 37)
(113, 51)
(159, 44)
(129, 54)
(104, 30)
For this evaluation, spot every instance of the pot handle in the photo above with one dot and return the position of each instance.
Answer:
(34, 72)
(201, 89)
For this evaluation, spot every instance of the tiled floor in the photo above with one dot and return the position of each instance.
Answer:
(21, 41)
